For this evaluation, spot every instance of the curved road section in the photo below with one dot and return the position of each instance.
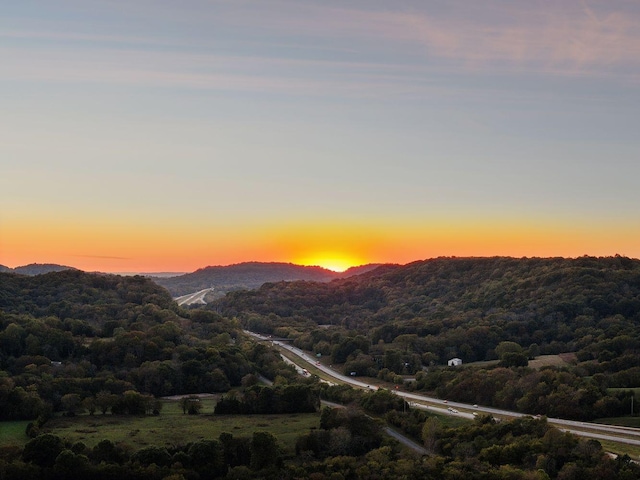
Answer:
(628, 435)
(197, 297)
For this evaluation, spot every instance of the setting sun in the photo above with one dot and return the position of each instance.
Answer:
(334, 263)
(193, 144)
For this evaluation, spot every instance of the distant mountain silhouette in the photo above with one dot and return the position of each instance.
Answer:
(36, 268)
(250, 275)
(360, 270)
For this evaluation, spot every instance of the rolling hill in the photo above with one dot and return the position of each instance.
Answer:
(410, 320)
(36, 268)
(460, 306)
(250, 275)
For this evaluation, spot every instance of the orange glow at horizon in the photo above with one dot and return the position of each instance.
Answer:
(126, 246)
(335, 263)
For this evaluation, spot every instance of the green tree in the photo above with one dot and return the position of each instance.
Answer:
(507, 347)
(12, 340)
(191, 405)
(208, 456)
(43, 450)
(70, 464)
(382, 401)
(513, 359)
(132, 403)
(264, 450)
(72, 403)
(105, 401)
(89, 404)
(108, 452)
(393, 361)
(430, 433)
(148, 455)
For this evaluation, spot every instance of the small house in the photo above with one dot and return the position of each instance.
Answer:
(454, 362)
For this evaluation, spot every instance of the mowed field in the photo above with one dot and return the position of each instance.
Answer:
(170, 428)
(537, 363)
(552, 360)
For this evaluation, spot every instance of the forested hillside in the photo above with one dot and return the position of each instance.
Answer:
(73, 343)
(404, 319)
(36, 268)
(249, 275)
(71, 338)
(74, 294)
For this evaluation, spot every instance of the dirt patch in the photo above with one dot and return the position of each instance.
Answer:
(568, 357)
(552, 360)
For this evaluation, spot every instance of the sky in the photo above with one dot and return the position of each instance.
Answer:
(155, 135)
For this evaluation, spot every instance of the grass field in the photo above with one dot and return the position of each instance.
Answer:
(550, 361)
(621, 449)
(538, 362)
(622, 421)
(169, 428)
(13, 433)
(172, 427)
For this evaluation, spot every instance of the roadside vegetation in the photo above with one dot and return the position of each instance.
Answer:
(87, 361)
(576, 320)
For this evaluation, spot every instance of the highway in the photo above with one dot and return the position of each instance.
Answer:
(197, 297)
(406, 441)
(627, 435)
(388, 430)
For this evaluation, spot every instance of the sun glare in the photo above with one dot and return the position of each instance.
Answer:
(334, 267)
(333, 263)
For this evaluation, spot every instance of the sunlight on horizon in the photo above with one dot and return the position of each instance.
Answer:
(335, 263)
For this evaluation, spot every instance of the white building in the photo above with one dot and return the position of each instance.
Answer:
(454, 362)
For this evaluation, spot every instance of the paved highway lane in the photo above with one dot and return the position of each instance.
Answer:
(628, 435)
(405, 441)
(602, 436)
(197, 297)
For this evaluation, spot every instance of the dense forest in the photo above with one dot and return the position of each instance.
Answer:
(73, 343)
(71, 340)
(408, 320)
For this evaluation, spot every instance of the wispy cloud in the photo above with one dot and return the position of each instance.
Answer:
(173, 69)
(552, 37)
(554, 40)
(410, 51)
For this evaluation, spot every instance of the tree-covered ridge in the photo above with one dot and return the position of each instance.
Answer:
(96, 298)
(250, 275)
(117, 359)
(84, 337)
(461, 306)
(409, 320)
(37, 268)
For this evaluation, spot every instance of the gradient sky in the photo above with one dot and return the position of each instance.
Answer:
(155, 135)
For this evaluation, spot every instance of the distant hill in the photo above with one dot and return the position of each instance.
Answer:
(72, 293)
(151, 274)
(411, 319)
(249, 276)
(360, 270)
(471, 304)
(36, 268)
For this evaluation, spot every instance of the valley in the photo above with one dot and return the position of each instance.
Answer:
(548, 351)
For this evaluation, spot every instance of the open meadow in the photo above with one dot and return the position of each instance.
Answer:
(13, 433)
(170, 428)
